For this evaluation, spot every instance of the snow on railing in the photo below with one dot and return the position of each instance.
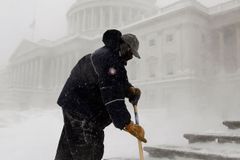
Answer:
(224, 6)
(193, 3)
(183, 4)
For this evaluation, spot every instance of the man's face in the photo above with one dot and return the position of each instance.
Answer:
(126, 52)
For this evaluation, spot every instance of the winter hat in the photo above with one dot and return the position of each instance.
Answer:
(112, 38)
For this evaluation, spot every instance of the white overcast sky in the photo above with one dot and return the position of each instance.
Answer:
(17, 15)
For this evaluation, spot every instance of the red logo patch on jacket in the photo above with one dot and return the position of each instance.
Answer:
(112, 71)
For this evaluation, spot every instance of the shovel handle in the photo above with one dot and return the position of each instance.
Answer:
(140, 148)
(136, 114)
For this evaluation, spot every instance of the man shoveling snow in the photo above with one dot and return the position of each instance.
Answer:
(93, 98)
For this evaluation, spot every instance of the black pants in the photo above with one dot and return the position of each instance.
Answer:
(80, 139)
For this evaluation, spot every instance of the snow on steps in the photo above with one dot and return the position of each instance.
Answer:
(232, 124)
(175, 152)
(118, 158)
(213, 137)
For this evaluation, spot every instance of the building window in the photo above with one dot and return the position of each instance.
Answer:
(203, 38)
(169, 69)
(152, 42)
(169, 38)
(170, 64)
(152, 63)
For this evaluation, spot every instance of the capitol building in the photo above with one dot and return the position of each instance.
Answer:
(190, 54)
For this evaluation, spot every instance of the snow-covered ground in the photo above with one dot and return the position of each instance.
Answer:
(33, 134)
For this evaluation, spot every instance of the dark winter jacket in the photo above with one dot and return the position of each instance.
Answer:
(97, 87)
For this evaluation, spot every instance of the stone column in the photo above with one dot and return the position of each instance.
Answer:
(131, 15)
(81, 21)
(71, 24)
(73, 59)
(60, 71)
(11, 76)
(16, 74)
(28, 74)
(139, 15)
(221, 49)
(23, 75)
(14, 78)
(101, 18)
(92, 22)
(37, 72)
(238, 45)
(69, 64)
(77, 22)
(57, 72)
(40, 72)
(33, 73)
(54, 73)
(115, 16)
(20, 75)
(84, 20)
(111, 16)
(126, 12)
(76, 57)
(120, 16)
(51, 74)
(65, 67)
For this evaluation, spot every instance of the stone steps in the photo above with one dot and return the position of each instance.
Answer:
(118, 158)
(213, 137)
(175, 152)
(203, 146)
(232, 124)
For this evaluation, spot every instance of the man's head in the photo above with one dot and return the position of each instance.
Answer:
(112, 38)
(129, 47)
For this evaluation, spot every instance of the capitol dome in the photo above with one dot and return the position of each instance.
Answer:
(91, 17)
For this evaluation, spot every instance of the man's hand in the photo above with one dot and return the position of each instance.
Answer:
(136, 130)
(134, 95)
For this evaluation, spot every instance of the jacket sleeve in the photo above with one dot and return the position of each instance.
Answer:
(113, 82)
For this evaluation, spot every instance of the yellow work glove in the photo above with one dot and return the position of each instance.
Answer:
(136, 130)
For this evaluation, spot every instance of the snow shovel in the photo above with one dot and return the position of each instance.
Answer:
(139, 142)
